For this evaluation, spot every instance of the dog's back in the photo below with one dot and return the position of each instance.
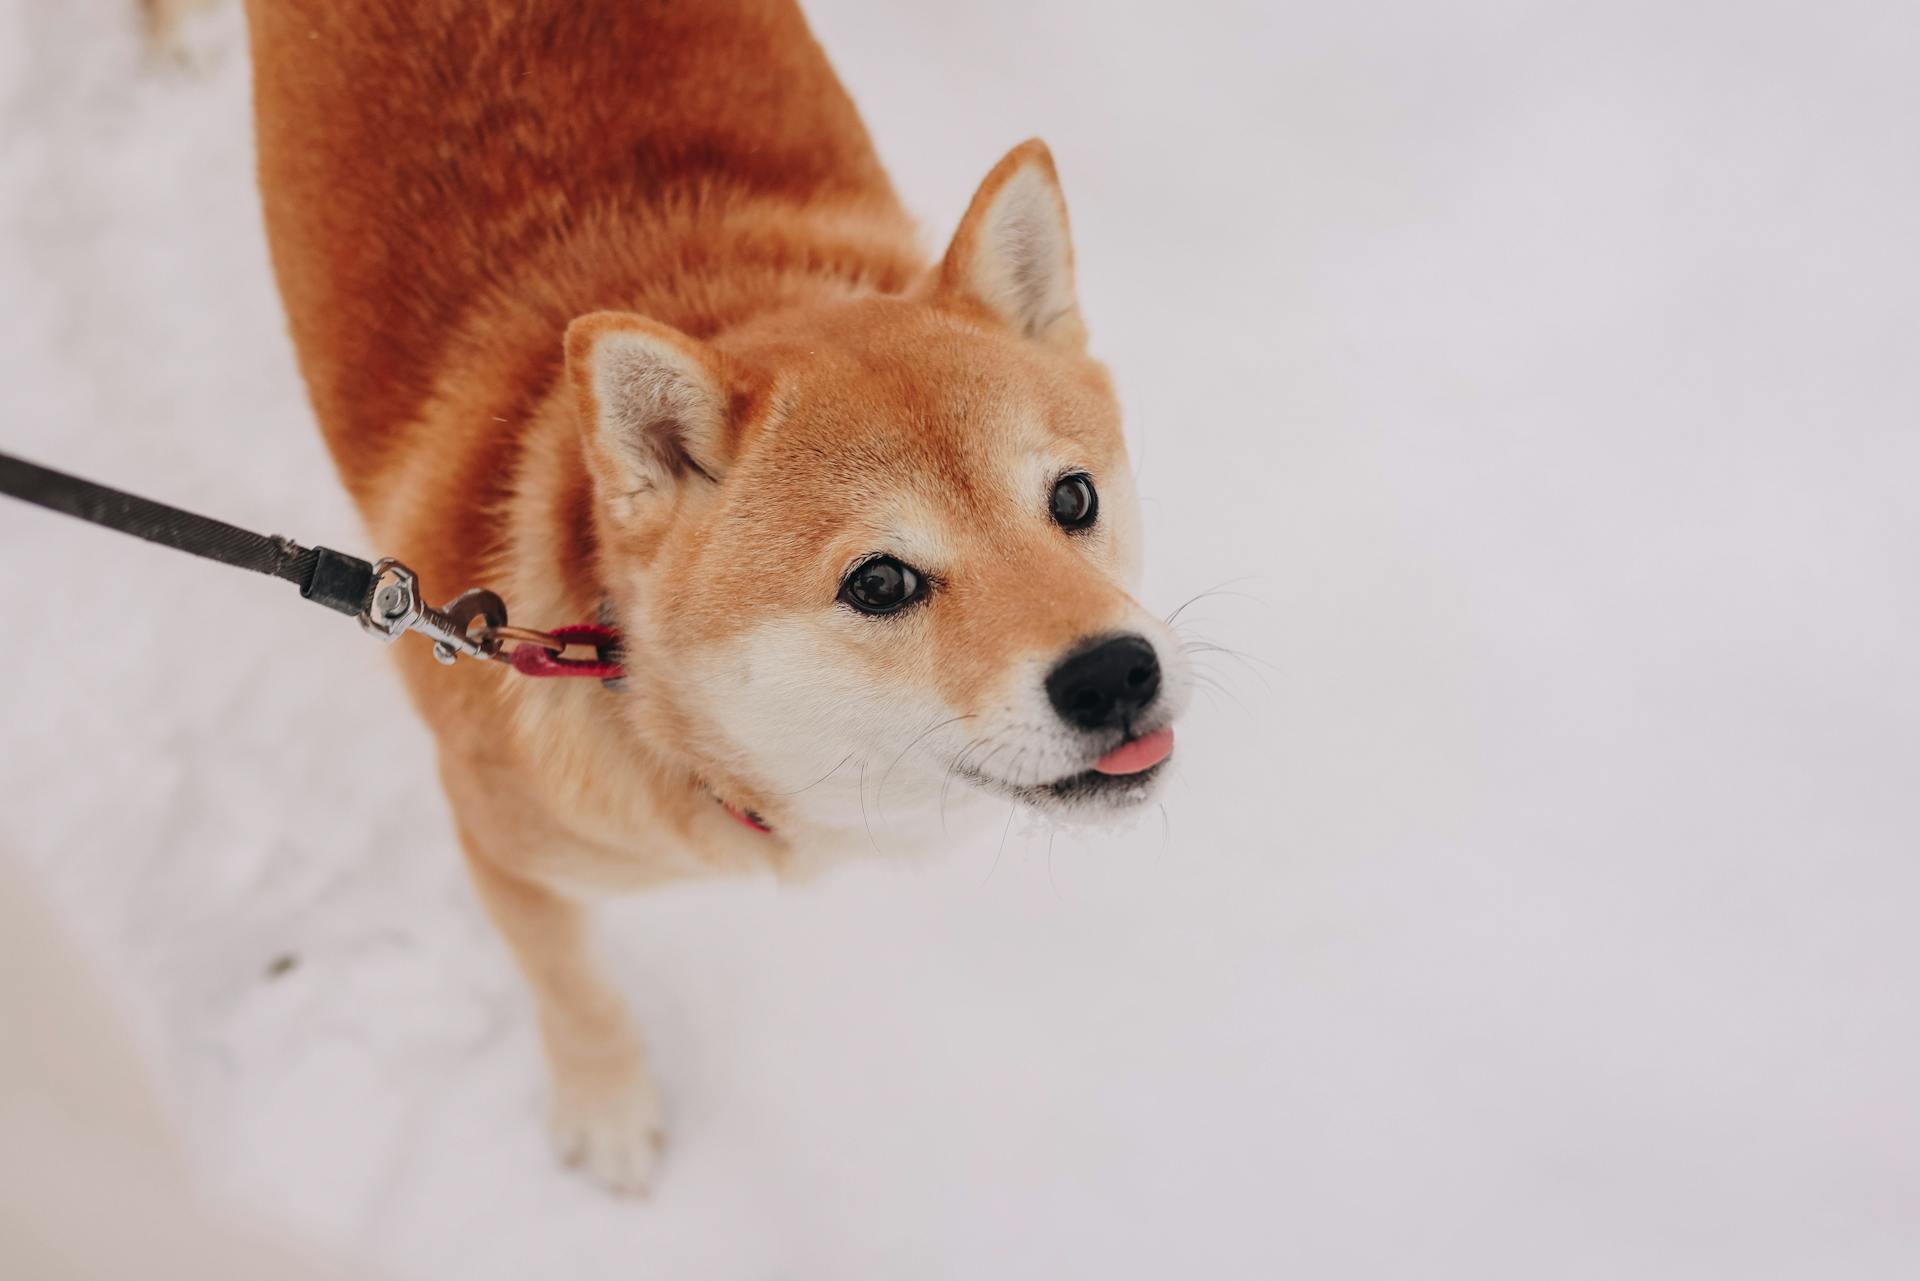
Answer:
(447, 183)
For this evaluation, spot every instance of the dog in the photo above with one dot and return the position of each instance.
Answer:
(610, 306)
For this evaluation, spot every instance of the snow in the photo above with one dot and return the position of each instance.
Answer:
(1538, 902)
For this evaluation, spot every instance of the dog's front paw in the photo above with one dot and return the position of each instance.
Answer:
(610, 1133)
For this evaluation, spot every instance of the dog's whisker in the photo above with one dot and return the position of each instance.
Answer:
(1209, 679)
(947, 783)
(1013, 770)
(1214, 694)
(1220, 590)
(868, 822)
(953, 766)
(1222, 685)
(816, 782)
(1214, 647)
(1013, 808)
(1053, 830)
(1196, 646)
(879, 792)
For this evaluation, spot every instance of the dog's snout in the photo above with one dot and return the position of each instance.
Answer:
(1106, 684)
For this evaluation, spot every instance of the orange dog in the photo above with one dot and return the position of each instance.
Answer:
(609, 306)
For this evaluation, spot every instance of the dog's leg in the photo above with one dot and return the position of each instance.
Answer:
(605, 1114)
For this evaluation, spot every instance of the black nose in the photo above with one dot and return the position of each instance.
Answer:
(1105, 684)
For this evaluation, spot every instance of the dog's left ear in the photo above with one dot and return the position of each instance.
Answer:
(1013, 254)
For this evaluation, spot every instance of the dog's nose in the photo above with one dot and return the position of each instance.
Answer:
(1105, 684)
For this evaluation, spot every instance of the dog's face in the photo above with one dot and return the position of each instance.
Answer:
(884, 546)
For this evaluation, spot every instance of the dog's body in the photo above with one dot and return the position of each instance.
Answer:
(784, 423)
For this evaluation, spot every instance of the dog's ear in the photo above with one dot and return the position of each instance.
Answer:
(652, 402)
(1013, 254)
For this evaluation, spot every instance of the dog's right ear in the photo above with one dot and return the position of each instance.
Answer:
(652, 403)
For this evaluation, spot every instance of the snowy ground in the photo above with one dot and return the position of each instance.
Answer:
(1551, 373)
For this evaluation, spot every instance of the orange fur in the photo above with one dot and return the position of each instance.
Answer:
(448, 187)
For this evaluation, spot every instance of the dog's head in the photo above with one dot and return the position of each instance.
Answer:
(886, 542)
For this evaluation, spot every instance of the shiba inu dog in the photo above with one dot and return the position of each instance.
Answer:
(609, 306)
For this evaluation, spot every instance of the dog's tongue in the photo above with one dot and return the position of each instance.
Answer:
(1140, 754)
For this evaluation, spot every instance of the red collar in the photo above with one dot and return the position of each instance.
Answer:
(745, 817)
(536, 660)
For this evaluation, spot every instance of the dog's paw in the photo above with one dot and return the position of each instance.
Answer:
(612, 1136)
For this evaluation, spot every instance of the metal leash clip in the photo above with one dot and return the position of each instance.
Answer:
(474, 623)
(396, 608)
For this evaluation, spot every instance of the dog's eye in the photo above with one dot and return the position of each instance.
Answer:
(1074, 503)
(881, 585)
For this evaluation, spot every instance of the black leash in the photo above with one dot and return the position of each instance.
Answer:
(385, 597)
(325, 576)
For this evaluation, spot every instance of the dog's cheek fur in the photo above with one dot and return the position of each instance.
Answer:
(833, 727)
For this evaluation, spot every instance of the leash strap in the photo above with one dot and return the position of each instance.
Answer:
(385, 597)
(327, 577)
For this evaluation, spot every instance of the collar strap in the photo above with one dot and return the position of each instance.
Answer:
(538, 660)
(745, 817)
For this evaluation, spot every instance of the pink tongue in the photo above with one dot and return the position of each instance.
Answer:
(1140, 754)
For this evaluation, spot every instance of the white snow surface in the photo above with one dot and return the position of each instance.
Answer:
(1537, 902)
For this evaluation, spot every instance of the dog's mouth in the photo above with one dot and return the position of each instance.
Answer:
(1119, 778)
